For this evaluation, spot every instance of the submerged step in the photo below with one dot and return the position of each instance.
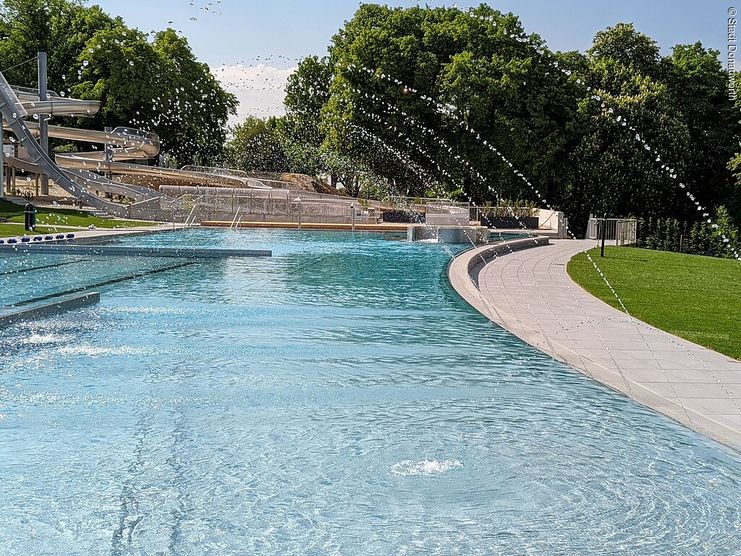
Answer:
(9, 315)
(124, 251)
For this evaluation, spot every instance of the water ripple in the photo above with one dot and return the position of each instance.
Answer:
(335, 399)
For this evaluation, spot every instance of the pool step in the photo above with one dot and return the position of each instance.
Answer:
(126, 251)
(9, 315)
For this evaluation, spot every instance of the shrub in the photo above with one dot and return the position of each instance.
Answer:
(698, 238)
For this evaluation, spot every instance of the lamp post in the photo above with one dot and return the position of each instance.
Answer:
(352, 216)
(603, 235)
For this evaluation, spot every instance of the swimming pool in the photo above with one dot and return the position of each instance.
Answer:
(337, 398)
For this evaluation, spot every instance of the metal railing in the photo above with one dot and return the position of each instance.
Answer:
(188, 203)
(233, 225)
(621, 230)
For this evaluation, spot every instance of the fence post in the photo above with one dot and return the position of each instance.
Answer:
(2, 161)
(298, 200)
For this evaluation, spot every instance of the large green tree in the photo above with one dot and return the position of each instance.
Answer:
(480, 68)
(478, 63)
(698, 84)
(61, 28)
(612, 130)
(626, 108)
(257, 145)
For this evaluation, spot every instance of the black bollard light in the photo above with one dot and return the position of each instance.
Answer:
(29, 214)
(604, 235)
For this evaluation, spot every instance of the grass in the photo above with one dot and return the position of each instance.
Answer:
(64, 217)
(16, 230)
(696, 298)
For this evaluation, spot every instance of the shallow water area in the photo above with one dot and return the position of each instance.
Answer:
(335, 398)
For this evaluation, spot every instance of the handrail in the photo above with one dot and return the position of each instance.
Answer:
(234, 220)
(188, 222)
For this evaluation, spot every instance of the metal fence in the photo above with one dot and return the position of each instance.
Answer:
(193, 203)
(621, 230)
(270, 205)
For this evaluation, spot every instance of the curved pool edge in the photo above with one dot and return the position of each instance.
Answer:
(464, 272)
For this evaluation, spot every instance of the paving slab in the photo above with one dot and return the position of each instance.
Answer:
(527, 291)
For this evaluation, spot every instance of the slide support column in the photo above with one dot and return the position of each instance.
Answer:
(43, 119)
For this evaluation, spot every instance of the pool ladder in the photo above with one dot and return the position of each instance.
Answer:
(235, 223)
(190, 221)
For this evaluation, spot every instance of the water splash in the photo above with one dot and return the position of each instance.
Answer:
(427, 467)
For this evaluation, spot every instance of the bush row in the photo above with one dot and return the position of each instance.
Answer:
(714, 239)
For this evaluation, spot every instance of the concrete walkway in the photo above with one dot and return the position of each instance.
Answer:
(529, 293)
(85, 234)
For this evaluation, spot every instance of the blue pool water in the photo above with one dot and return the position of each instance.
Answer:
(337, 398)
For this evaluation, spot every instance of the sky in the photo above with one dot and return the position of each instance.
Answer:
(252, 45)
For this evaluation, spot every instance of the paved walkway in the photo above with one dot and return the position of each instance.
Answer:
(529, 293)
(86, 234)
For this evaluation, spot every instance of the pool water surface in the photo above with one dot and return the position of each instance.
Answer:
(336, 398)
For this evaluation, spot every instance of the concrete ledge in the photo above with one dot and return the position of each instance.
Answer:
(463, 273)
(448, 234)
(85, 235)
(564, 344)
(305, 226)
(477, 258)
(123, 251)
(64, 303)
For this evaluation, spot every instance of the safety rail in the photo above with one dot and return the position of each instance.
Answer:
(32, 92)
(234, 221)
(233, 204)
(621, 230)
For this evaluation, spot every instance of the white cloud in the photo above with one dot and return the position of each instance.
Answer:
(260, 89)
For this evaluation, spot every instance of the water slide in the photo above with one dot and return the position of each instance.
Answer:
(80, 185)
(75, 172)
(124, 145)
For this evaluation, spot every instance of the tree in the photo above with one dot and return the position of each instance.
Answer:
(307, 92)
(614, 172)
(194, 108)
(627, 47)
(60, 28)
(478, 62)
(735, 199)
(467, 101)
(699, 88)
(257, 145)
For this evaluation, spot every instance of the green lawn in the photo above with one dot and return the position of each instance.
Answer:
(65, 217)
(697, 298)
(16, 230)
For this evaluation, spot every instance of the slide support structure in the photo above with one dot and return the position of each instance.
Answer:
(2, 163)
(43, 120)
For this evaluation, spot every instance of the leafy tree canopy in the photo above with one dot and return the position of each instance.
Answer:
(401, 90)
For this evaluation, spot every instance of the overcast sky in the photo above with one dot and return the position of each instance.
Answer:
(252, 45)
